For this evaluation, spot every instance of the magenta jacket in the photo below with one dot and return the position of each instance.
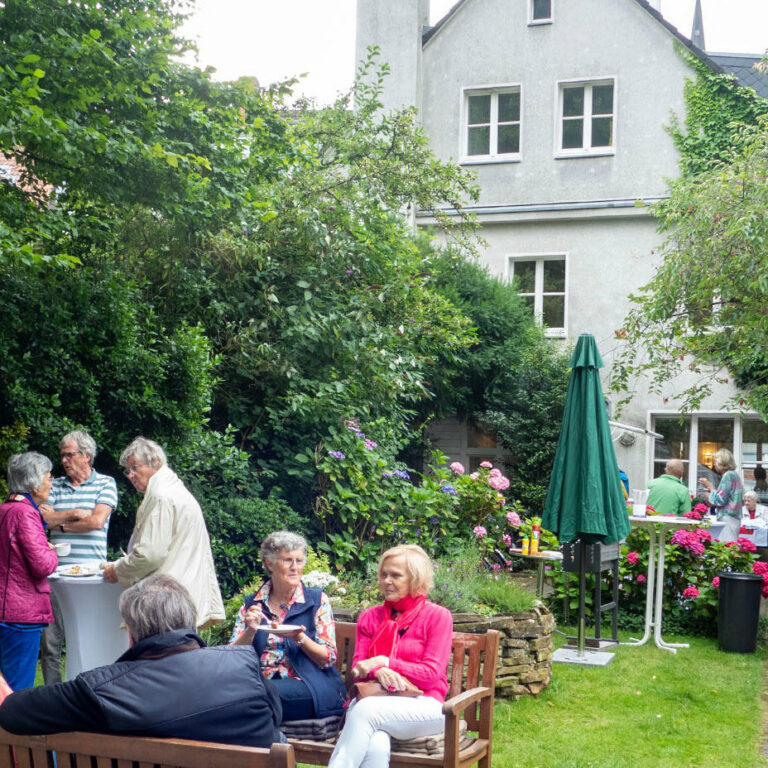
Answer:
(25, 562)
(423, 651)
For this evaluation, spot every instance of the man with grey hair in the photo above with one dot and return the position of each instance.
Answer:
(168, 684)
(668, 493)
(169, 535)
(77, 513)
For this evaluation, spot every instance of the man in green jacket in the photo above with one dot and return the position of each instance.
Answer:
(668, 494)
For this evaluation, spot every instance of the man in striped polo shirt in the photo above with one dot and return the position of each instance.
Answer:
(78, 513)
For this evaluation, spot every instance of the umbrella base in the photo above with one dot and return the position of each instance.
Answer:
(587, 658)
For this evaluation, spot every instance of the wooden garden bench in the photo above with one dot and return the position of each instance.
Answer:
(472, 678)
(98, 750)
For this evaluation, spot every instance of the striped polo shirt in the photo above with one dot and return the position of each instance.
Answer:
(91, 546)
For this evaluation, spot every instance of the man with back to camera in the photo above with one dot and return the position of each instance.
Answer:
(168, 684)
(668, 494)
(77, 513)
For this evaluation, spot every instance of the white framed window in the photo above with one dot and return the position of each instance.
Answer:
(540, 11)
(586, 118)
(541, 282)
(492, 124)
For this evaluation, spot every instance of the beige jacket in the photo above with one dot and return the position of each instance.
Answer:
(170, 537)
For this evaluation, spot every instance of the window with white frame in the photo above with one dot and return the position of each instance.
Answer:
(540, 11)
(540, 281)
(492, 124)
(694, 439)
(587, 117)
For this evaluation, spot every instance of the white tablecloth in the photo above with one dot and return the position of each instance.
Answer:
(91, 622)
(758, 535)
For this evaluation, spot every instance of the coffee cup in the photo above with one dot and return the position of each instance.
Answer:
(63, 548)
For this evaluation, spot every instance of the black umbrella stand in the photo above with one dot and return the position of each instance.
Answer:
(578, 556)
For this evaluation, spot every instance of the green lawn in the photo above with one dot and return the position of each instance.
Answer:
(699, 708)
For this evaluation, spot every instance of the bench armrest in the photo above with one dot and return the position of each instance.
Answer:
(459, 703)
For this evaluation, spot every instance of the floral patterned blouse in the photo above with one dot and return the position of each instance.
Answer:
(727, 498)
(273, 660)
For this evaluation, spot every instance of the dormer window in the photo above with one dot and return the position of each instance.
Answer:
(540, 11)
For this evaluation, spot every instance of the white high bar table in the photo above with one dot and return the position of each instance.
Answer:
(657, 526)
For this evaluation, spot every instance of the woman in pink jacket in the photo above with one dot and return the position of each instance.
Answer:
(407, 639)
(26, 559)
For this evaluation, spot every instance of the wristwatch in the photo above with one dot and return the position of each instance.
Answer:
(61, 528)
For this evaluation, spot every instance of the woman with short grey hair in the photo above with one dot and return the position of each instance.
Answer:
(292, 629)
(752, 509)
(169, 535)
(26, 560)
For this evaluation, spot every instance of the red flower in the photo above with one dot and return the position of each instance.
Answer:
(632, 557)
(760, 567)
(692, 515)
(746, 545)
(716, 582)
(691, 592)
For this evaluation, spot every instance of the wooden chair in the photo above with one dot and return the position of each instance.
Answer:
(471, 693)
(97, 750)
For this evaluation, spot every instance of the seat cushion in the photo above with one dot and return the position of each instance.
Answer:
(321, 729)
(431, 745)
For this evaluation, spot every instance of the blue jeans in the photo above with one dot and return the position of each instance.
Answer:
(18, 655)
(295, 697)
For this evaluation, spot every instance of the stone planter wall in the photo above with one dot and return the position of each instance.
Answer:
(525, 650)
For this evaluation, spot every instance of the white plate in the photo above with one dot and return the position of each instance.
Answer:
(281, 629)
(77, 571)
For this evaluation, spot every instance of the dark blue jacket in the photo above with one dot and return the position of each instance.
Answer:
(167, 685)
(325, 685)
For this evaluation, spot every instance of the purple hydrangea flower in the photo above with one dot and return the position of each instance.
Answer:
(449, 489)
(401, 473)
(337, 454)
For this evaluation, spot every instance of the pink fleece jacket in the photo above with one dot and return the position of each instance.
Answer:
(423, 651)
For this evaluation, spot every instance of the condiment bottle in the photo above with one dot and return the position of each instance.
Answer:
(526, 546)
(535, 535)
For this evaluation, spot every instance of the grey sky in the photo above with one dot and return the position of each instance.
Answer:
(277, 39)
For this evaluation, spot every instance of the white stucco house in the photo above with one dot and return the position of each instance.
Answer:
(560, 107)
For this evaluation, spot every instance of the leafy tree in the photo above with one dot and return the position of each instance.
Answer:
(513, 380)
(704, 310)
(101, 116)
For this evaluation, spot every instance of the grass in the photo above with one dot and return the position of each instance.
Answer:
(699, 708)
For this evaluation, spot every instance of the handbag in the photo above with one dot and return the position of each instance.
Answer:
(364, 688)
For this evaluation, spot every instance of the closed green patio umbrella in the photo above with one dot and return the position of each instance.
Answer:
(584, 500)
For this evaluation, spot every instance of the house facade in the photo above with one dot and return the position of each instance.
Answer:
(560, 108)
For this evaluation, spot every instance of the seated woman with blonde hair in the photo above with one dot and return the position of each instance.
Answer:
(405, 640)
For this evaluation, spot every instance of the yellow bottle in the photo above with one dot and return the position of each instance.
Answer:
(526, 546)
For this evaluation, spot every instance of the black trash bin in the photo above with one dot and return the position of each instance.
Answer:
(738, 611)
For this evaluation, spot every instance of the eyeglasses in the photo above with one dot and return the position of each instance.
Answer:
(289, 561)
(128, 471)
(69, 454)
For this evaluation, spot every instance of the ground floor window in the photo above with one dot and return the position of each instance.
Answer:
(694, 439)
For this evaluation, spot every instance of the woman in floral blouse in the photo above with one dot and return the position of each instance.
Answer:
(300, 661)
(728, 496)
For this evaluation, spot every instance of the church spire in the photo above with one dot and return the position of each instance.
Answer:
(697, 32)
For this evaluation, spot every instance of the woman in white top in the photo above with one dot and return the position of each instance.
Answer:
(752, 509)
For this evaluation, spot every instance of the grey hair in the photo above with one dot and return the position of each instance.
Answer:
(85, 443)
(751, 495)
(26, 471)
(278, 542)
(724, 459)
(156, 605)
(146, 452)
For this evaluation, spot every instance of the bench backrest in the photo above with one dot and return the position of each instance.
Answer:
(98, 750)
(467, 669)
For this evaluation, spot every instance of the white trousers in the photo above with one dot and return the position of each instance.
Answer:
(364, 740)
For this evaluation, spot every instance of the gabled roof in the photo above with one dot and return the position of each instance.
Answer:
(742, 66)
(718, 62)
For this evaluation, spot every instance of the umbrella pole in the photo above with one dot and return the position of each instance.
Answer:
(581, 630)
